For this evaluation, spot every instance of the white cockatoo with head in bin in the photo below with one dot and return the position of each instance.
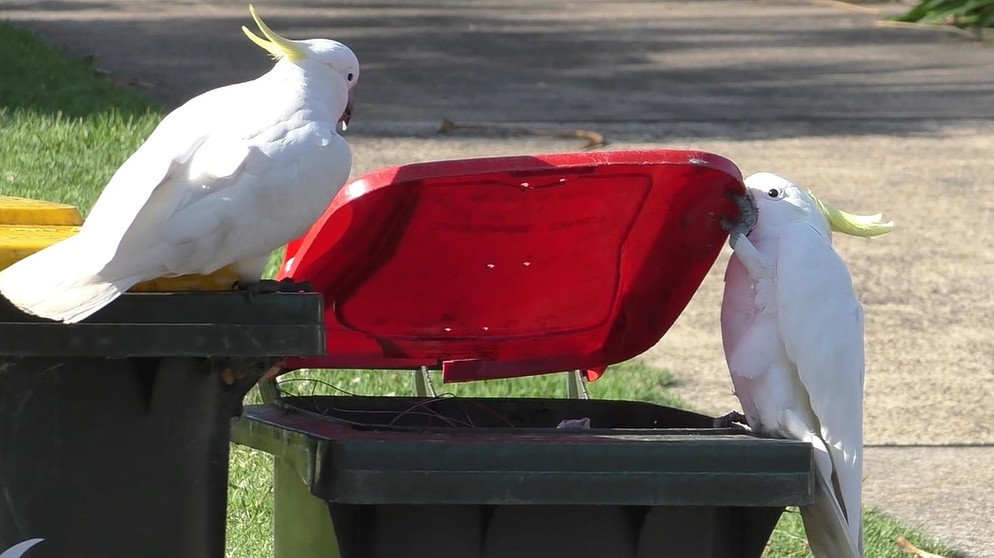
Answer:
(792, 330)
(223, 180)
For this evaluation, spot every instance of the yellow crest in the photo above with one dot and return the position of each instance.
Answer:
(852, 224)
(277, 46)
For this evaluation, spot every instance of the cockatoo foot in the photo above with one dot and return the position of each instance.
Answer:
(269, 286)
(730, 420)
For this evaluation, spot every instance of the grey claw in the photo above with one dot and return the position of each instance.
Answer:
(730, 420)
(269, 286)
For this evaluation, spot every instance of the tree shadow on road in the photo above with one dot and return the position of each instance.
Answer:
(739, 75)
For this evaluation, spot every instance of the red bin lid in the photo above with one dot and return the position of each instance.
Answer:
(512, 266)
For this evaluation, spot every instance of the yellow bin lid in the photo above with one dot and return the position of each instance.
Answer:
(22, 211)
(28, 226)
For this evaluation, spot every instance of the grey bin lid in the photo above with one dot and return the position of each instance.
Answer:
(221, 324)
(645, 454)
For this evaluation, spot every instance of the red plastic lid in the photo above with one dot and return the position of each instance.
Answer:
(513, 266)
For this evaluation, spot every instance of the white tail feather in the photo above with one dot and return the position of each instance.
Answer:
(826, 528)
(60, 282)
(829, 532)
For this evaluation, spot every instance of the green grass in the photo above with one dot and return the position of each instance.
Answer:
(965, 14)
(65, 131)
(880, 533)
(629, 380)
(250, 504)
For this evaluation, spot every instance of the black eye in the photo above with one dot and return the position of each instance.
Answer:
(773, 193)
(349, 76)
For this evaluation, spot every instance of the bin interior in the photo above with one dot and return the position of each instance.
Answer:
(377, 451)
(512, 266)
(447, 413)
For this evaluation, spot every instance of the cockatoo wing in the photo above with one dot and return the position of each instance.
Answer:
(234, 198)
(163, 159)
(821, 324)
(269, 200)
(64, 281)
(72, 279)
(737, 304)
(738, 316)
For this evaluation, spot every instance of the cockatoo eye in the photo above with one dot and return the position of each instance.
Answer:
(349, 77)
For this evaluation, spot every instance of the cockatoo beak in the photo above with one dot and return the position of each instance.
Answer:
(347, 115)
(748, 217)
(748, 212)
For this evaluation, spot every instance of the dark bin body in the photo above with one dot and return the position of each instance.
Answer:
(114, 433)
(407, 477)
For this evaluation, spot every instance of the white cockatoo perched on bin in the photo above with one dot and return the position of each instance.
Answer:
(223, 180)
(792, 331)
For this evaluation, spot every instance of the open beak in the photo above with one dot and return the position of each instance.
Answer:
(347, 115)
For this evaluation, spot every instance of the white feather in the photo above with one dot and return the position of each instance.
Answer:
(792, 330)
(821, 323)
(224, 179)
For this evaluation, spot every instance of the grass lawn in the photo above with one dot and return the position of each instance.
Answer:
(65, 132)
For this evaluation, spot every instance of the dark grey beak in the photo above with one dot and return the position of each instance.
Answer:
(347, 115)
(748, 217)
(748, 211)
